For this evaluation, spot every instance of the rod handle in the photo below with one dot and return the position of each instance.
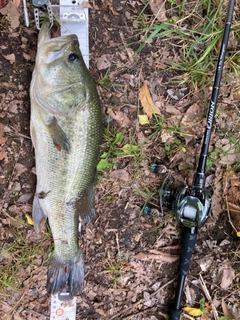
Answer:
(175, 314)
(189, 236)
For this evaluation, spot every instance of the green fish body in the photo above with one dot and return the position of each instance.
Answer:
(66, 131)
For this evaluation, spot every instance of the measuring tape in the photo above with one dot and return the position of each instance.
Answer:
(62, 307)
(73, 19)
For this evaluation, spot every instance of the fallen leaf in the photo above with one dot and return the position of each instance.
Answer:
(172, 110)
(225, 275)
(29, 219)
(5, 307)
(3, 138)
(17, 316)
(104, 61)
(194, 312)
(121, 174)
(146, 100)
(27, 56)
(24, 198)
(11, 10)
(86, 4)
(19, 169)
(10, 57)
(120, 117)
(226, 312)
(143, 119)
(101, 312)
(16, 2)
(228, 152)
(3, 155)
(158, 9)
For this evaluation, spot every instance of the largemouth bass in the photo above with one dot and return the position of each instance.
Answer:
(66, 131)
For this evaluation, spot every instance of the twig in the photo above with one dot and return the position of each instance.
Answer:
(37, 314)
(207, 295)
(117, 240)
(229, 217)
(116, 316)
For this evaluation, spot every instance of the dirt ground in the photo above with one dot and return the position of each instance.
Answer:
(131, 258)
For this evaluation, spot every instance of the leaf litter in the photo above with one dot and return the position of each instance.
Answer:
(131, 258)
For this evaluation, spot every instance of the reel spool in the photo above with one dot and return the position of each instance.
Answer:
(190, 210)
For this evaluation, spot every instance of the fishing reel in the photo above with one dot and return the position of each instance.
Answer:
(190, 204)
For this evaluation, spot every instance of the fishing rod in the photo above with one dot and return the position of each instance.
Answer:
(192, 204)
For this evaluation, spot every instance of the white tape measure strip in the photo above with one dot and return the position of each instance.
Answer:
(74, 20)
(62, 308)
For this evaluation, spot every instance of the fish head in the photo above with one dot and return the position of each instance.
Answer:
(60, 76)
(59, 60)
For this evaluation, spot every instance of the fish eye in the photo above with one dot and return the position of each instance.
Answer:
(73, 57)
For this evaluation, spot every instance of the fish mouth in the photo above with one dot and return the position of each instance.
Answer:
(45, 35)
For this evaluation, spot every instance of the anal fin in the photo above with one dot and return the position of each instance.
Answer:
(39, 218)
(85, 205)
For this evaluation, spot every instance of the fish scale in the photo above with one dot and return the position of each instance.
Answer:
(66, 130)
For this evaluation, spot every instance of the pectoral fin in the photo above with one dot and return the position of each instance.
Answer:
(57, 134)
(39, 218)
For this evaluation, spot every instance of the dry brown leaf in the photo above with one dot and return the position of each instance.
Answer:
(225, 276)
(16, 2)
(27, 56)
(120, 117)
(226, 312)
(158, 9)
(121, 174)
(17, 316)
(172, 110)
(11, 10)
(146, 100)
(192, 115)
(5, 307)
(10, 57)
(231, 195)
(3, 138)
(217, 197)
(3, 155)
(19, 169)
(86, 4)
(104, 61)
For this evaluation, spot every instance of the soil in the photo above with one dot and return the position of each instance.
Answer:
(131, 258)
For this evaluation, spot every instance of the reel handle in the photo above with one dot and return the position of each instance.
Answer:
(175, 314)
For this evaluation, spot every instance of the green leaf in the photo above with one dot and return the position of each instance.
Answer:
(167, 146)
(129, 149)
(104, 155)
(116, 152)
(119, 138)
(103, 164)
(202, 309)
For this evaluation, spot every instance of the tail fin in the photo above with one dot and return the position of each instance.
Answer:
(66, 274)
